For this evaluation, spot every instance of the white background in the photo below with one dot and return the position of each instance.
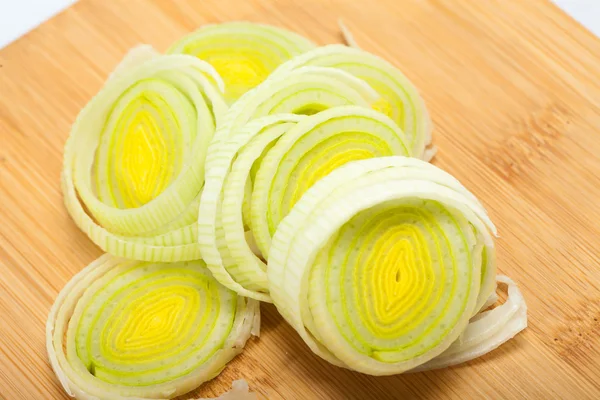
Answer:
(17, 17)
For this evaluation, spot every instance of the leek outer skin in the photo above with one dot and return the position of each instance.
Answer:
(344, 133)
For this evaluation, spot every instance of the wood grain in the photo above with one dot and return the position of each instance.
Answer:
(514, 93)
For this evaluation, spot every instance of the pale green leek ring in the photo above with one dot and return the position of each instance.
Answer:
(131, 184)
(379, 208)
(126, 329)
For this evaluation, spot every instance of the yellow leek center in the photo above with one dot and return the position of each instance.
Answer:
(383, 106)
(240, 72)
(143, 158)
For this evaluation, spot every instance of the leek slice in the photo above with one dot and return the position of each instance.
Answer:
(247, 278)
(243, 53)
(398, 98)
(379, 266)
(278, 158)
(125, 329)
(134, 162)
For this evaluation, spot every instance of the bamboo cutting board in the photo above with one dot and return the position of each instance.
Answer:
(514, 93)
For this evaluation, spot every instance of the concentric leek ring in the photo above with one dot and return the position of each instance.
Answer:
(130, 329)
(378, 266)
(134, 162)
(399, 99)
(243, 53)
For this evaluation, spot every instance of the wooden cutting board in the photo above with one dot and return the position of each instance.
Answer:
(514, 91)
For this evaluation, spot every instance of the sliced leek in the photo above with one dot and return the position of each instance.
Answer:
(127, 329)
(243, 53)
(398, 98)
(134, 162)
(268, 165)
(302, 193)
(380, 266)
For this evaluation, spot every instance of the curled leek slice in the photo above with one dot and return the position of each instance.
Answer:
(398, 98)
(243, 53)
(134, 162)
(269, 164)
(127, 329)
(379, 266)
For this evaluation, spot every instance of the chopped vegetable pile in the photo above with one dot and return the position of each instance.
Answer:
(245, 165)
